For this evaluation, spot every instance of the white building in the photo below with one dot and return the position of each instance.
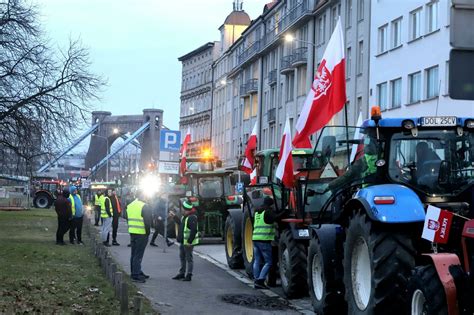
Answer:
(409, 59)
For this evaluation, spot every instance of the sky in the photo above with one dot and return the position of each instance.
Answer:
(135, 44)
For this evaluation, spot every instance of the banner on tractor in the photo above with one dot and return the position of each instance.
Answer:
(437, 225)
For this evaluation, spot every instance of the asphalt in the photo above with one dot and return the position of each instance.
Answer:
(203, 295)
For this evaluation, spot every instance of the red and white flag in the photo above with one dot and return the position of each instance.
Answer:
(248, 163)
(328, 92)
(253, 177)
(437, 225)
(183, 153)
(284, 170)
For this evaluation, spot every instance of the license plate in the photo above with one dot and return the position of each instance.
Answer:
(438, 121)
(303, 233)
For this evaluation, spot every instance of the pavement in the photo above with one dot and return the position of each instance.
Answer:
(211, 281)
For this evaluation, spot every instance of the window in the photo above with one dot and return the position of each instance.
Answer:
(359, 105)
(414, 81)
(321, 29)
(432, 82)
(382, 39)
(360, 57)
(349, 13)
(302, 81)
(254, 105)
(348, 62)
(415, 24)
(246, 108)
(334, 17)
(432, 17)
(360, 10)
(290, 83)
(382, 95)
(397, 33)
(446, 78)
(396, 93)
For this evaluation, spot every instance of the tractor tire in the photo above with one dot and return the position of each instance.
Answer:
(233, 242)
(247, 243)
(42, 201)
(325, 287)
(377, 261)
(292, 263)
(426, 292)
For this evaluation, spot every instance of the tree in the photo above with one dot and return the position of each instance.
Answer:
(45, 95)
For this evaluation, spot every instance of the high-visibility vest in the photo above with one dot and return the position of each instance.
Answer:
(103, 213)
(96, 200)
(73, 204)
(261, 230)
(187, 233)
(370, 160)
(136, 225)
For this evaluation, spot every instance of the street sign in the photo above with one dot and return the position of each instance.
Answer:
(168, 167)
(239, 187)
(170, 140)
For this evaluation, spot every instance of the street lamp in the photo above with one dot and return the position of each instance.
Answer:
(289, 38)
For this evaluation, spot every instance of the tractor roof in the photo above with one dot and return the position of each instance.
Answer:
(209, 173)
(295, 152)
(398, 122)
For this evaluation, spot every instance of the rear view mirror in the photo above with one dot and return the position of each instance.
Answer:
(329, 146)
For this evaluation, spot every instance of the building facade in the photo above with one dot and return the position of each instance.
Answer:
(409, 59)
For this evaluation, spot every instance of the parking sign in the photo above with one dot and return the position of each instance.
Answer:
(170, 140)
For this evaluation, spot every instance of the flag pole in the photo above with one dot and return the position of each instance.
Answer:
(347, 134)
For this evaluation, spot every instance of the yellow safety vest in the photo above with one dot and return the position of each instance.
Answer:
(73, 205)
(103, 213)
(96, 200)
(261, 230)
(136, 225)
(187, 232)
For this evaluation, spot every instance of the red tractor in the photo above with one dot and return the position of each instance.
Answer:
(46, 191)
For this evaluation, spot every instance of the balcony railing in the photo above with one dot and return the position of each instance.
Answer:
(300, 56)
(272, 77)
(271, 115)
(294, 14)
(249, 52)
(285, 64)
(251, 86)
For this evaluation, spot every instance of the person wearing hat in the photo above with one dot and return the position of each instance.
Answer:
(62, 205)
(187, 237)
(75, 232)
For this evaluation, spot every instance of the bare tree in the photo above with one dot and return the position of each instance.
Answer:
(45, 94)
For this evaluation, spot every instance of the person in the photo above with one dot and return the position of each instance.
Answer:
(75, 231)
(116, 212)
(97, 196)
(106, 216)
(187, 237)
(138, 214)
(159, 212)
(262, 237)
(62, 205)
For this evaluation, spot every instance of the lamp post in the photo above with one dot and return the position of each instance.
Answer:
(289, 38)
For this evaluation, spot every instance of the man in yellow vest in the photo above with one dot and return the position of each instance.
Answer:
(188, 237)
(96, 200)
(106, 216)
(139, 221)
(263, 235)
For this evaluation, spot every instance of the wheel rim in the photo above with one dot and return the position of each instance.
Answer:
(317, 276)
(418, 303)
(229, 242)
(361, 275)
(285, 260)
(42, 202)
(248, 240)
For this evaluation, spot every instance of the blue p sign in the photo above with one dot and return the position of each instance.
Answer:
(170, 140)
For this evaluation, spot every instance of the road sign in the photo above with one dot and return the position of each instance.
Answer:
(170, 140)
(168, 167)
(239, 187)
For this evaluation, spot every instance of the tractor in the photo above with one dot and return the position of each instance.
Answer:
(46, 192)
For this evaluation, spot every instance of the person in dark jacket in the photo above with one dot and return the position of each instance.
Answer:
(62, 205)
(187, 237)
(116, 212)
(159, 213)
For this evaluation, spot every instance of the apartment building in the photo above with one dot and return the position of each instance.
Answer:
(409, 59)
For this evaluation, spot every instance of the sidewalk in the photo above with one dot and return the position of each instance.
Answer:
(200, 296)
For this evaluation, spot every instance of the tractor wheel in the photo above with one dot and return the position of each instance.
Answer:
(292, 263)
(233, 243)
(325, 290)
(42, 201)
(376, 262)
(247, 243)
(426, 292)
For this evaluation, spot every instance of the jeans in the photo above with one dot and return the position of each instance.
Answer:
(106, 227)
(138, 244)
(186, 258)
(96, 214)
(63, 226)
(262, 252)
(75, 232)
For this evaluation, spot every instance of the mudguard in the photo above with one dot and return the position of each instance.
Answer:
(329, 236)
(406, 208)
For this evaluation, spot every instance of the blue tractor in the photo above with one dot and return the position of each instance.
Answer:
(366, 200)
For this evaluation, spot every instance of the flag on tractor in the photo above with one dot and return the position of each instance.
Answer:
(249, 161)
(437, 225)
(327, 95)
(284, 170)
(253, 177)
(182, 155)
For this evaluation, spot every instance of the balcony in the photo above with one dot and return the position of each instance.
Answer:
(251, 51)
(271, 115)
(285, 64)
(293, 15)
(272, 77)
(251, 86)
(300, 56)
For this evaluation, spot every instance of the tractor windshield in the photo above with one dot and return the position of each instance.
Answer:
(199, 166)
(435, 162)
(211, 187)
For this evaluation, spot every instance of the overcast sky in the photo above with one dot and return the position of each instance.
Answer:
(135, 44)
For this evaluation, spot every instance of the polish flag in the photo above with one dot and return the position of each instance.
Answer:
(284, 170)
(182, 154)
(328, 92)
(437, 225)
(253, 177)
(248, 163)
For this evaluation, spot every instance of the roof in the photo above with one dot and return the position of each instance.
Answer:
(237, 18)
(210, 173)
(196, 51)
(397, 122)
(295, 152)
